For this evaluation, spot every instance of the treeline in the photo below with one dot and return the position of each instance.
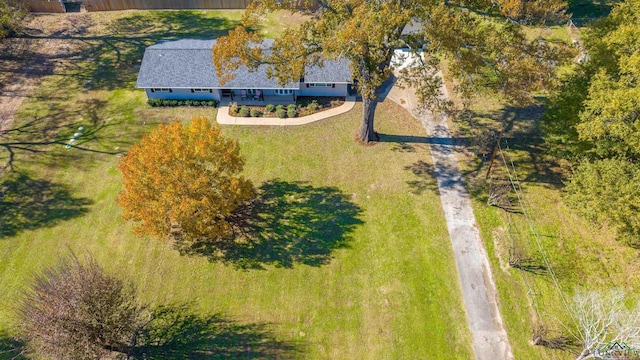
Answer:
(593, 121)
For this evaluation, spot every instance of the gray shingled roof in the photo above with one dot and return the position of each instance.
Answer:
(332, 71)
(189, 64)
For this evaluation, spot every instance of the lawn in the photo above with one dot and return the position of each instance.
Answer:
(582, 255)
(373, 277)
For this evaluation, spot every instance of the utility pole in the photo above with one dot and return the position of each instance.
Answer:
(493, 154)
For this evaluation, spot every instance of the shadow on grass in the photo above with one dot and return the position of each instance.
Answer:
(425, 174)
(27, 204)
(174, 332)
(44, 137)
(11, 348)
(522, 143)
(110, 60)
(290, 223)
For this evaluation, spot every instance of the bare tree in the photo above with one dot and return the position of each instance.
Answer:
(74, 310)
(603, 318)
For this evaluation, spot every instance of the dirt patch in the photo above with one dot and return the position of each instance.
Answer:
(35, 53)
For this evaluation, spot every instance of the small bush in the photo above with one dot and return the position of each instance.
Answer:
(244, 111)
(335, 103)
(281, 113)
(292, 107)
(292, 113)
(256, 113)
(169, 102)
(313, 106)
(233, 108)
(270, 108)
(279, 107)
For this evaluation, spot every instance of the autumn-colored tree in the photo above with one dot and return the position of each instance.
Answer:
(481, 50)
(74, 310)
(185, 181)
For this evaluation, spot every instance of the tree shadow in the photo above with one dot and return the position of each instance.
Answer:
(290, 223)
(426, 181)
(27, 204)
(175, 332)
(522, 143)
(110, 61)
(523, 135)
(63, 136)
(11, 347)
(532, 268)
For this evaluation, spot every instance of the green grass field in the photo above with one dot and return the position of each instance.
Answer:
(378, 283)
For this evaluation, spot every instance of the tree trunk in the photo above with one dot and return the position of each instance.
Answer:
(367, 133)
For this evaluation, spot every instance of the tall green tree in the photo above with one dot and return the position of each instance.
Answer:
(482, 50)
(594, 121)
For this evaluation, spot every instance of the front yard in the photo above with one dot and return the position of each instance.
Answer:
(377, 279)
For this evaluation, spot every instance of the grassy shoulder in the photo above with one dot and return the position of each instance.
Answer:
(389, 290)
(582, 255)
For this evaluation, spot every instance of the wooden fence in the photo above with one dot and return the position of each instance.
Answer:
(53, 6)
(108, 5)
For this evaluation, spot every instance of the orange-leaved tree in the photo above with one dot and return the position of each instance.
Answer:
(184, 183)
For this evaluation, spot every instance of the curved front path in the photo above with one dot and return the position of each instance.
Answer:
(224, 118)
(490, 340)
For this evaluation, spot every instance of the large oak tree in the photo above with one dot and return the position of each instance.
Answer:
(481, 47)
(185, 181)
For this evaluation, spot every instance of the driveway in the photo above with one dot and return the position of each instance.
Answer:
(490, 341)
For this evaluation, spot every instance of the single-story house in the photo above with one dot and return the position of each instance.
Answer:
(183, 69)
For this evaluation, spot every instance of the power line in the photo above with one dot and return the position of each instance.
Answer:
(515, 184)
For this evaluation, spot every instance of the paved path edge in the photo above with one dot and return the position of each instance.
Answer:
(224, 118)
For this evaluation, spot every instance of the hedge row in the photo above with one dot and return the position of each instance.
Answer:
(166, 102)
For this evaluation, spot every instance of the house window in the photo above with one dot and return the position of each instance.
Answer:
(161, 90)
(201, 90)
(320, 85)
(283, 91)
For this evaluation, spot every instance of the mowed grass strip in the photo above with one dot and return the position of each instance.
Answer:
(380, 284)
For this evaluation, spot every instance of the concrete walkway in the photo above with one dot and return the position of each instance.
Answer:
(490, 340)
(224, 118)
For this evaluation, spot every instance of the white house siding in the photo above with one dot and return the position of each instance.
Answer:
(184, 94)
(338, 90)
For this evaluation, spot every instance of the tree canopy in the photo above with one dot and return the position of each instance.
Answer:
(74, 310)
(184, 181)
(482, 49)
(593, 121)
(12, 13)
